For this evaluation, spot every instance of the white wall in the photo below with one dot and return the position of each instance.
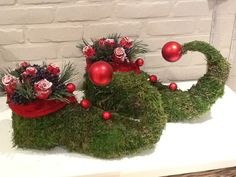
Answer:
(37, 30)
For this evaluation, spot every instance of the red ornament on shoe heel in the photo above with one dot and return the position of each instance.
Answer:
(100, 73)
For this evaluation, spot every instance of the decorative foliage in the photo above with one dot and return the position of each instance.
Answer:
(113, 48)
(29, 82)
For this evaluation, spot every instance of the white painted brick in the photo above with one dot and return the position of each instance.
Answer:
(224, 24)
(11, 36)
(156, 60)
(204, 26)
(54, 34)
(43, 1)
(188, 38)
(7, 2)
(26, 15)
(178, 73)
(32, 52)
(171, 27)
(194, 58)
(231, 82)
(103, 29)
(79, 64)
(226, 7)
(143, 9)
(191, 8)
(222, 40)
(69, 51)
(155, 44)
(83, 12)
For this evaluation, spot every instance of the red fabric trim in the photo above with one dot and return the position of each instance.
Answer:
(119, 67)
(39, 108)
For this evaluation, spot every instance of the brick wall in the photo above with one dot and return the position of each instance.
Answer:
(224, 34)
(48, 30)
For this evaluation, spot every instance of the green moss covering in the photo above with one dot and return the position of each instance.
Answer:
(140, 111)
(187, 105)
(86, 132)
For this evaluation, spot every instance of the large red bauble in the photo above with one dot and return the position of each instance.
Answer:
(70, 87)
(106, 115)
(153, 79)
(173, 86)
(85, 103)
(100, 73)
(172, 51)
(139, 62)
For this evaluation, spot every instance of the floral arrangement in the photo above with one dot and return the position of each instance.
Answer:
(29, 82)
(116, 50)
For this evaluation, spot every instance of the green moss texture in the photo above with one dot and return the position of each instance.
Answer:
(140, 111)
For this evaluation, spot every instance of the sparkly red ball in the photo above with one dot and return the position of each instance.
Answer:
(70, 87)
(172, 51)
(173, 86)
(139, 62)
(106, 115)
(100, 73)
(85, 103)
(153, 79)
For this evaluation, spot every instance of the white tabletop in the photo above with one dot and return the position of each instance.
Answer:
(205, 144)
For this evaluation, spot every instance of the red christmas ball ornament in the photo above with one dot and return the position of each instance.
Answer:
(172, 51)
(100, 73)
(139, 62)
(70, 87)
(153, 79)
(173, 86)
(106, 115)
(85, 103)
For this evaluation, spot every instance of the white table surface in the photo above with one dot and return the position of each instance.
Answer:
(208, 143)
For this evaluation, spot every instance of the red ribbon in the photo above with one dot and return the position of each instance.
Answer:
(39, 108)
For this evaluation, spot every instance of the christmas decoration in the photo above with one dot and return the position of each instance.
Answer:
(153, 79)
(139, 62)
(70, 87)
(106, 115)
(100, 73)
(139, 109)
(172, 51)
(118, 51)
(32, 90)
(173, 86)
(85, 103)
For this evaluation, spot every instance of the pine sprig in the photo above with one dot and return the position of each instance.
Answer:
(61, 95)
(26, 91)
(68, 70)
(137, 48)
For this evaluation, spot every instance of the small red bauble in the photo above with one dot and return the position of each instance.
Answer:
(106, 115)
(100, 73)
(70, 87)
(172, 51)
(153, 79)
(85, 103)
(173, 86)
(139, 62)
